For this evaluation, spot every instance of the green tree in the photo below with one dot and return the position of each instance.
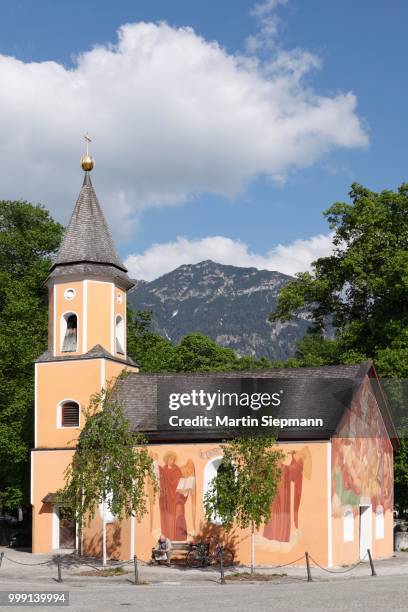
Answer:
(362, 288)
(150, 350)
(110, 466)
(29, 237)
(195, 352)
(244, 489)
(401, 477)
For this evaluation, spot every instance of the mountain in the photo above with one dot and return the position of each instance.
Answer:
(227, 303)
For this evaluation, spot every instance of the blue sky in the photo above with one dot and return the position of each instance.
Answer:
(362, 47)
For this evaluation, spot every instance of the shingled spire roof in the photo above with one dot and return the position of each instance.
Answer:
(87, 244)
(87, 237)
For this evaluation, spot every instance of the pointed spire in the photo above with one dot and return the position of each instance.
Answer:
(87, 247)
(87, 238)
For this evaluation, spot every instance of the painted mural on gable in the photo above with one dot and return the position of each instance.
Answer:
(362, 468)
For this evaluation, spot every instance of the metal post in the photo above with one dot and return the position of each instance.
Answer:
(222, 569)
(1, 558)
(136, 569)
(104, 555)
(373, 572)
(59, 579)
(309, 574)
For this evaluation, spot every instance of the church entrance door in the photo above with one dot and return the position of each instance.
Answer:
(365, 530)
(67, 531)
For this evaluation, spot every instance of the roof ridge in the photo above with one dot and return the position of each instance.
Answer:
(96, 352)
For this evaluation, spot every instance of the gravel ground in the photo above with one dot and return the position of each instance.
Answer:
(181, 589)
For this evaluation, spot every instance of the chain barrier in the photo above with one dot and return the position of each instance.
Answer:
(60, 562)
(344, 571)
(121, 563)
(112, 564)
(95, 567)
(69, 563)
(286, 564)
(28, 564)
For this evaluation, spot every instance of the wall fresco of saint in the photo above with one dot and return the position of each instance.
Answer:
(175, 509)
(177, 492)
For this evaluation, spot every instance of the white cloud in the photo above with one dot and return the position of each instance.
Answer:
(172, 116)
(268, 22)
(289, 259)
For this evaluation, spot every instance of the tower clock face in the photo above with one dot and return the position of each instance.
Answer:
(69, 294)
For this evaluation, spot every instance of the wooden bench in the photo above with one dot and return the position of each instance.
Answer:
(179, 551)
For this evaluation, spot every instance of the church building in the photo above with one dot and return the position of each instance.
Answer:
(335, 497)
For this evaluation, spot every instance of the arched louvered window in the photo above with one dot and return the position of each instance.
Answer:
(69, 414)
(120, 335)
(69, 332)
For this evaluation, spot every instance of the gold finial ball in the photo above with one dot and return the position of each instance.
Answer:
(87, 163)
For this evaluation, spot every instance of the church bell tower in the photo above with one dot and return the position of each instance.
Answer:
(86, 348)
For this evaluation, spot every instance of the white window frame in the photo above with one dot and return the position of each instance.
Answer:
(348, 524)
(210, 471)
(120, 333)
(379, 523)
(55, 527)
(67, 290)
(63, 329)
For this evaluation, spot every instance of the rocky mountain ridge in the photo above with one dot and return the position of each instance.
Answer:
(227, 303)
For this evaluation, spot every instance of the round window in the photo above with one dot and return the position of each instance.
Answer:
(119, 298)
(69, 294)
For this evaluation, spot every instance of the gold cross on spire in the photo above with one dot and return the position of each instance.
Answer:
(87, 162)
(88, 139)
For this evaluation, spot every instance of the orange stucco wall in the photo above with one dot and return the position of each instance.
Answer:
(58, 381)
(283, 542)
(118, 537)
(96, 304)
(47, 469)
(348, 552)
(63, 380)
(100, 324)
(61, 305)
(113, 369)
(311, 532)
